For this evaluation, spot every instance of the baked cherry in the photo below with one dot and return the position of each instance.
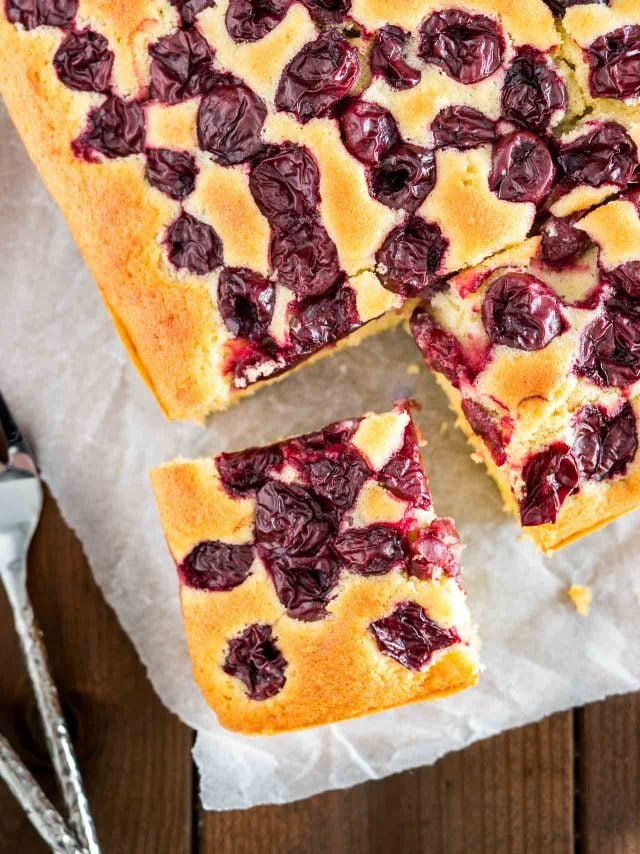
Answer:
(328, 11)
(605, 154)
(41, 13)
(436, 551)
(610, 345)
(291, 519)
(468, 47)
(84, 62)
(368, 130)
(562, 241)
(254, 658)
(374, 550)
(244, 472)
(181, 66)
(522, 168)
(171, 172)
(549, 477)
(626, 278)
(193, 245)
(320, 74)
(403, 177)
(410, 257)
(604, 447)
(522, 312)
(410, 636)
(303, 255)
(387, 58)
(246, 301)
(115, 129)
(614, 64)
(213, 565)
(532, 91)
(462, 128)
(441, 350)
(230, 120)
(286, 180)
(190, 9)
(483, 424)
(251, 20)
(561, 6)
(304, 584)
(319, 321)
(404, 476)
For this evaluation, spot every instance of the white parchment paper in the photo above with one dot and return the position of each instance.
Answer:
(97, 432)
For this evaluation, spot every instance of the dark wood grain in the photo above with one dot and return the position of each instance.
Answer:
(512, 794)
(608, 776)
(134, 755)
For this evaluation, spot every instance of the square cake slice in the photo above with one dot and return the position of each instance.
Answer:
(538, 350)
(316, 581)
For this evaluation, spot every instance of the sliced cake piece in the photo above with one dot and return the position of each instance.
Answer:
(317, 582)
(538, 350)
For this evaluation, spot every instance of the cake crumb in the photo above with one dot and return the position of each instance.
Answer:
(413, 369)
(581, 598)
(444, 428)
(476, 458)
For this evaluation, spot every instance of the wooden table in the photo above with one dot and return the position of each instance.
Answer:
(570, 783)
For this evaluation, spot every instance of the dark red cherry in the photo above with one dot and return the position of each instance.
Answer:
(605, 447)
(549, 477)
(230, 120)
(323, 320)
(462, 128)
(84, 62)
(522, 312)
(193, 245)
(181, 65)
(605, 154)
(374, 550)
(254, 658)
(483, 424)
(468, 47)
(328, 11)
(560, 6)
(437, 550)
(291, 519)
(304, 584)
(387, 58)
(532, 91)
(41, 13)
(441, 350)
(626, 278)
(404, 177)
(318, 76)
(610, 345)
(286, 181)
(246, 471)
(404, 475)
(246, 301)
(303, 256)
(410, 636)
(251, 20)
(522, 168)
(115, 129)
(213, 565)
(189, 9)
(410, 257)
(171, 172)
(368, 130)
(614, 64)
(562, 241)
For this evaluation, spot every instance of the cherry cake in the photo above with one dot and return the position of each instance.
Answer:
(317, 583)
(538, 350)
(257, 182)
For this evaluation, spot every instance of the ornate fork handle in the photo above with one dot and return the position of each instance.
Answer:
(55, 728)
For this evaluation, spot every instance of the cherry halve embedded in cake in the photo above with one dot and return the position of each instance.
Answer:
(538, 350)
(280, 178)
(317, 582)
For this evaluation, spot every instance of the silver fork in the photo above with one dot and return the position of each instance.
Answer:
(20, 507)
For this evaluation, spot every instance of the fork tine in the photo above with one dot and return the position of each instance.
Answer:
(16, 443)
